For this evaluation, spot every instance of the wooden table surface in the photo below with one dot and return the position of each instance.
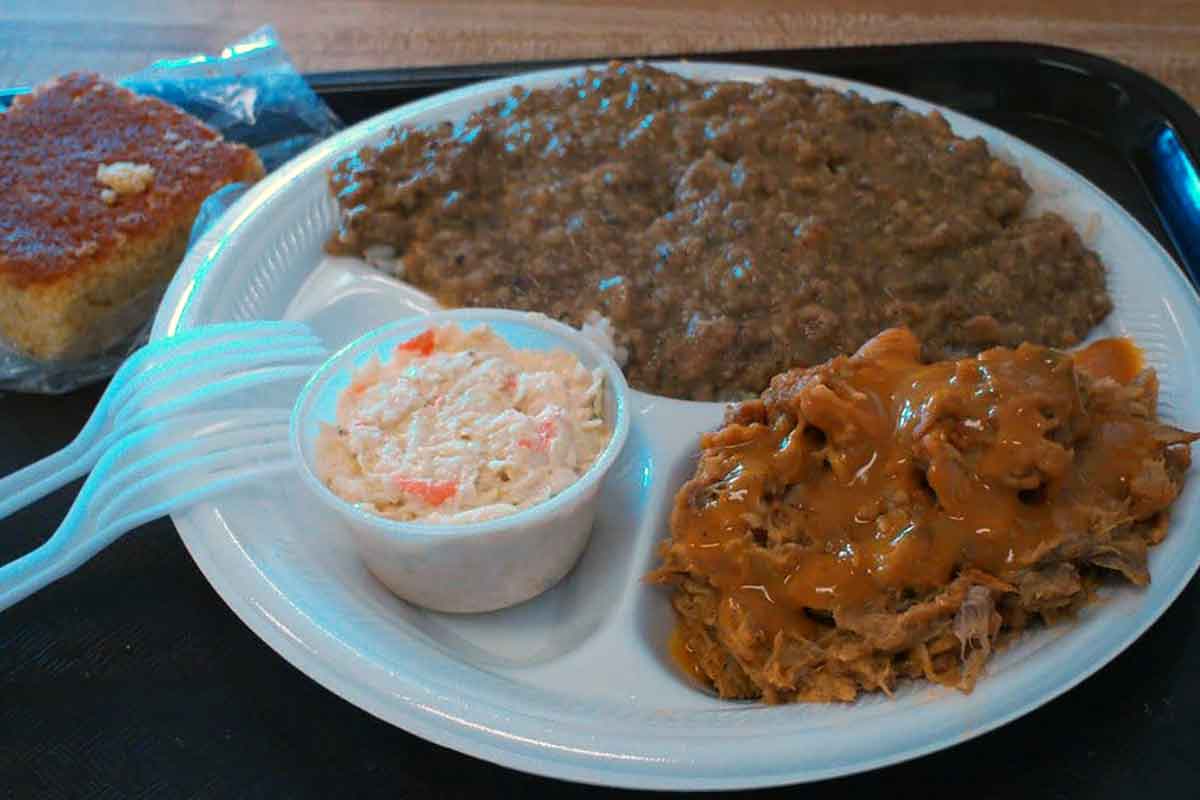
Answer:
(39, 38)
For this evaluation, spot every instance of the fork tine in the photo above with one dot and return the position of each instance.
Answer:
(205, 469)
(181, 477)
(253, 443)
(77, 458)
(179, 436)
(26, 485)
(203, 339)
(204, 336)
(119, 450)
(253, 350)
(244, 475)
(140, 394)
(216, 391)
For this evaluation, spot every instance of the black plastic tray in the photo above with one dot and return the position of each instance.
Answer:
(132, 678)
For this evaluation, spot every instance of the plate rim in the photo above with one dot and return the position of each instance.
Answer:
(533, 755)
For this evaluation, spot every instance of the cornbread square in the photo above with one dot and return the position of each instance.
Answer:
(99, 188)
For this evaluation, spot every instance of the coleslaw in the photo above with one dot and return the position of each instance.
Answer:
(458, 426)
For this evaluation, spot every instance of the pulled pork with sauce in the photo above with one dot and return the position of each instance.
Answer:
(876, 518)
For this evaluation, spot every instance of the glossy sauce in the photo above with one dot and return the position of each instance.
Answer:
(877, 478)
(1117, 358)
(685, 657)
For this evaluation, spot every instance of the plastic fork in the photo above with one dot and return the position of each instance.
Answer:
(161, 468)
(192, 370)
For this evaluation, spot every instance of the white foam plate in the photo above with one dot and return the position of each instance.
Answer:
(577, 684)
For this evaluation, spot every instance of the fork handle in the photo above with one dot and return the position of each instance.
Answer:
(50, 560)
(40, 478)
(28, 485)
(66, 550)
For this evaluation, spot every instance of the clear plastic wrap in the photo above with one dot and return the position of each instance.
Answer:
(252, 94)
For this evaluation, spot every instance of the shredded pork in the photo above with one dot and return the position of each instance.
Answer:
(876, 518)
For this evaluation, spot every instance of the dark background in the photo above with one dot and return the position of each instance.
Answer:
(131, 678)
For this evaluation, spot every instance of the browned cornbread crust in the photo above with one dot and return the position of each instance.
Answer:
(81, 258)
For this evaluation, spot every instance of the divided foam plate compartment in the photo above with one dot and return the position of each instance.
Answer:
(577, 683)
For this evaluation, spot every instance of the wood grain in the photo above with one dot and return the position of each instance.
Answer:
(41, 38)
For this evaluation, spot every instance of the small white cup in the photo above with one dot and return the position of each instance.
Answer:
(481, 566)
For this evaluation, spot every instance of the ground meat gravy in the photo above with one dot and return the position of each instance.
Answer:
(729, 230)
